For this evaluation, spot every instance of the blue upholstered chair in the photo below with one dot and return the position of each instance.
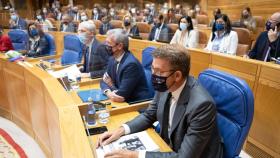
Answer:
(235, 108)
(73, 50)
(19, 38)
(147, 60)
(51, 42)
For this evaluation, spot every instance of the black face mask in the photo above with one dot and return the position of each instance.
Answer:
(158, 25)
(159, 82)
(126, 23)
(268, 26)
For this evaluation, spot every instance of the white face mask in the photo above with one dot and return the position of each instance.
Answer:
(197, 9)
(95, 11)
(84, 18)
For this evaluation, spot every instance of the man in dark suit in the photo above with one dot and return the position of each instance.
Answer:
(67, 25)
(95, 55)
(124, 79)
(160, 32)
(267, 45)
(17, 22)
(105, 26)
(184, 109)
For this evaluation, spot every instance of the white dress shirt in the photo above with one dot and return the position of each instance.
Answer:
(189, 40)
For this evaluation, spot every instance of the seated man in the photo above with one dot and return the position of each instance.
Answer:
(17, 22)
(67, 25)
(268, 42)
(124, 79)
(96, 56)
(160, 31)
(5, 41)
(184, 109)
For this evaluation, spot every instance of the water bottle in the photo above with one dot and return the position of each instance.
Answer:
(91, 111)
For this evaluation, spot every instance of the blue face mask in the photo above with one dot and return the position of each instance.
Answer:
(220, 27)
(14, 17)
(183, 26)
(39, 17)
(82, 37)
(34, 32)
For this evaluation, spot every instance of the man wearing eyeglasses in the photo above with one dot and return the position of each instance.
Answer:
(267, 46)
(184, 109)
(124, 79)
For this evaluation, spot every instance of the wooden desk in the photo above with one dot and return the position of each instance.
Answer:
(116, 120)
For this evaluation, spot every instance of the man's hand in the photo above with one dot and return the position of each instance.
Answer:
(114, 97)
(85, 75)
(107, 79)
(109, 137)
(122, 154)
(272, 35)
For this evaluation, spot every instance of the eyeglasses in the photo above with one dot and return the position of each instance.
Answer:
(160, 73)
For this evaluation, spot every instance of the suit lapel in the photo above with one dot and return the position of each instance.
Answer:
(181, 105)
(120, 67)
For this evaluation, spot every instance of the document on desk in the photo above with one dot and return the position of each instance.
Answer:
(135, 142)
(72, 72)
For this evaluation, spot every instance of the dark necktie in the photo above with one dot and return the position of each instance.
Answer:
(86, 60)
(164, 133)
(114, 77)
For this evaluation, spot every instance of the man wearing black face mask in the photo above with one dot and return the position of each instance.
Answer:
(130, 28)
(267, 46)
(160, 32)
(124, 79)
(67, 25)
(105, 26)
(184, 109)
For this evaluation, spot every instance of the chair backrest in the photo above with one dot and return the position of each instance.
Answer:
(116, 23)
(97, 23)
(144, 29)
(19, 38)
(73, 50)
(202, 39)
(259, 21)
(244, 36)
(202, 19)
(235, 108)
(242, 49)
(147, 60)
(51, 42)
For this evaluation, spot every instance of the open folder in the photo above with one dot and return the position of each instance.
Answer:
(95, 94)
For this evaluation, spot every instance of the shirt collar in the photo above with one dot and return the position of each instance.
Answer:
(90, 42)
(118, 59)
(216, 34)
(177, 92)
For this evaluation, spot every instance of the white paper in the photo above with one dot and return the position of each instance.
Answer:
(72, 72)
(135, 142)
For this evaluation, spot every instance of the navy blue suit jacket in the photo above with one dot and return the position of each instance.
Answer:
(129, 81)
(164, 34)
(21, 24)
(102, 31)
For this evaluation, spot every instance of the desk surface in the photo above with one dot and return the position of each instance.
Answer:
(117, 120)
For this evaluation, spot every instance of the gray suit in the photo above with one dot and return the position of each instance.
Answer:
(71, 27)
(194, 132)
(164, 34)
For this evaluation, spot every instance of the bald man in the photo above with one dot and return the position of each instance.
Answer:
(267, 46)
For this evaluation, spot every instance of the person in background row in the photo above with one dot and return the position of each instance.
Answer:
(38, 43)
(160, 32)
(171, 17)
(96, 14)
(43, 21)
(58, 14)
(124, 77)
(216, 12)
(179, 10)
(185, 35)
(198, 10)
(74, 12)
(17, 22)
(105, 26)
(67, 25)
(223, 39)
(247, 20)
(5, 41)
(184, 109)
(148, 18)
(84, 16)
(191, 13)
(267, 46)
(95, 56)
(130, 27)
(113, 14)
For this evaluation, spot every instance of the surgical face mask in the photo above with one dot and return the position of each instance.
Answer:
(83, 37)
(39, 17)
(220, 27)
(84, 18)
(159, 82)
(126, 23)
(34, 32)
(112, 13)
(95, 11)
(45, 11)
(183, 26)
(245, 16)
(14, 17)
(197, 9)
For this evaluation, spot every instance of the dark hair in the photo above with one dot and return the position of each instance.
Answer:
(189, 20)
(218, 11)
(177, 56)
(170, 10)
(228, 27)
(160, 17)
(38, 27)
(248, 10)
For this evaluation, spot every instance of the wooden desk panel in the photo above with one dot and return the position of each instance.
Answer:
(4, 103)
